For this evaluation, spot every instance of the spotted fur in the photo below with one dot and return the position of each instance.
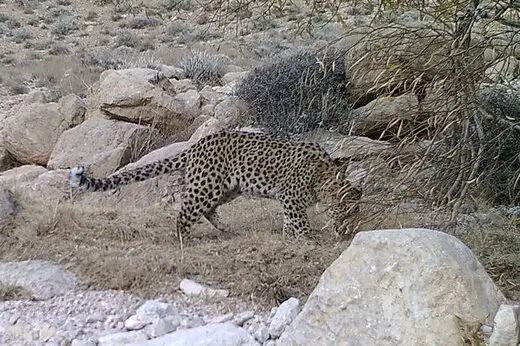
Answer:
(226, 164)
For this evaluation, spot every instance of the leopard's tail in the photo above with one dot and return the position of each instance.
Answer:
(78, 179)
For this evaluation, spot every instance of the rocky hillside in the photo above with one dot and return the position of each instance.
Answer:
(420, 103)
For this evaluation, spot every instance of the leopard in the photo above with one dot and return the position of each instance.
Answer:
(226, 164)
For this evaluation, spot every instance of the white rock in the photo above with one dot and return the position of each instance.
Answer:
(31, 135)
(243, 317)
(210, 126)
(190, 101)
(486, 329)
(155, 308)
(284, 315)
(42, 279)
(234, 77)
(396, 287)
(141, 95)
(192, 322)
(100, 144)
(164, 326)
(507, 326)
(46, 332)
(220, 318)
(136, 322)
(225, 334)
(120, 339)
(81, 342)
(192, 288)
(260, 332)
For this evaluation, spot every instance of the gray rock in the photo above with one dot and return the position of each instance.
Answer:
(81, 342)
(74, 107)
(507, 326)
(100, 144)
(164, 326)
(210, 126)
(388, 285)
(172, 72)
(192, 288)
(43, 279)
(220, 318)
(231, 110)
(141, 95)
(7, 207)
(190, 101)
(192, 322)
(260, 332)
(31, 135)
(284, 315)
(243, 317)
(155, 308)
(225, 334)
(183, 85)
(120, 339)
(231, 77)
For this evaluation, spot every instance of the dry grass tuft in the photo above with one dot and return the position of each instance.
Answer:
(10, 292)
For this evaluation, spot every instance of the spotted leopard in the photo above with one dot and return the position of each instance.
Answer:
(224, 165)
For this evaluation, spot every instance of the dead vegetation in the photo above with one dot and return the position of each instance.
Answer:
(9, 292)
(138, 251)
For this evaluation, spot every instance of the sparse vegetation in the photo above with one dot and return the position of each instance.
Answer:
(9, 292)
(177, 5)
(65, 27)
(128, 39)
(59, 49)
(18, 89)
(203, 68)
(21, 35)
(140, 23)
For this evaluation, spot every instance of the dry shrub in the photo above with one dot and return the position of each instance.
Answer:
(496, 243)
(203, 68)
(297, 92)
(10, 292)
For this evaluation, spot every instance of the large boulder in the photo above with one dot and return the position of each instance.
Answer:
(30, 136)
(397, 287)
(37, 192)
(145, 96)
(100, 144)
(386, 115)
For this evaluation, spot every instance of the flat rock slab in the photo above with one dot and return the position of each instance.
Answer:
(222, 334)
(42, 279)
